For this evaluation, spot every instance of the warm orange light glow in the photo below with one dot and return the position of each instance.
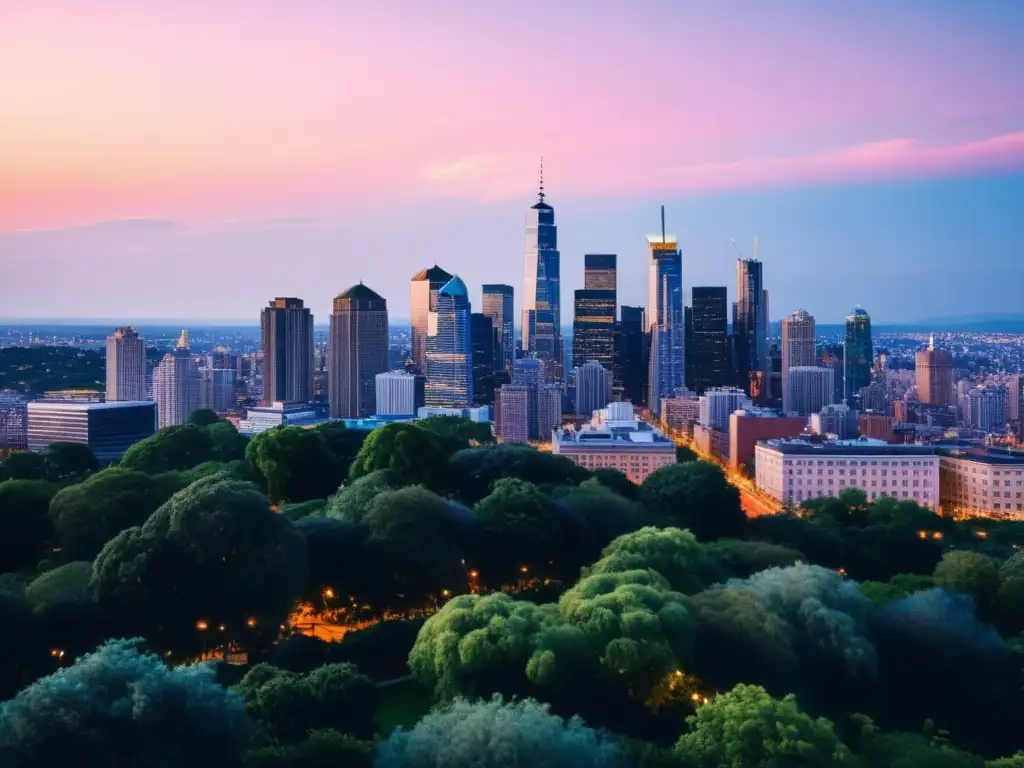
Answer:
(329, 593)
(523, 569)
(937, 535)
(222, 627)
(445, 593)
(251, 623)
(981, 534)
(201, 625)
(922, 534)
(474, 574)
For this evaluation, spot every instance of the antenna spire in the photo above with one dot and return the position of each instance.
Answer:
(931, 343)
(755, 247)
(540, 194)
(663, 240)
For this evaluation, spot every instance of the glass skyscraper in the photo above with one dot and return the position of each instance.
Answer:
(542, 296)
(449, 349)
(593, 328)
(422, 304)
(357, 351)
(749, 322)
(631, 350)
(860, 355)
(709, 341)
(498, 305)
(665, 319)
(286, 325)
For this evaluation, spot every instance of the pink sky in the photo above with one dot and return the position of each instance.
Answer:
(238, 109)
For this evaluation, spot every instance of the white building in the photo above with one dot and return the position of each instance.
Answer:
(810, 389)
(987, 408)
(176, 385)
(838, 420)
(798, 351)
(479, 414)
(396, 393)
(984, 483)
(279, 414)
(615, 438)
(512, 413)
(126, 365)
(717, 403)
(798, 470)
(593, 387)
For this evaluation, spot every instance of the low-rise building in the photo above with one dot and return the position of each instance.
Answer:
(258, 420)
(109, 429)
(748, 426)
(981, 482)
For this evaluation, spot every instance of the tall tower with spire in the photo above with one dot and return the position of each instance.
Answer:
(665, 317)
(542, 293)
(176, 385)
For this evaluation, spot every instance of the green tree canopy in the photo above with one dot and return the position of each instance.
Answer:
(203, 417)
(86, 516)
(25, 522)
(520, 529)
(899, 586)
(684, 454)
(747, 728)
(228, 444)
(22, 465)
(343, 443)
(969, 573)
(694, 495)
(459, 432)
(321, 749)
(673, 553)
(170, 449)
(352, 502)
(67, 583)
(473, 472)
(607, 513)
(741, 559)
(493, 734)
(121, 707)
(295, 464)
(68, 461)
(416, 455)
(616, 480)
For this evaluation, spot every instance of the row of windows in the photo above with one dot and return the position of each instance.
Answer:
(854, 463)
(864, 472)
(923, 498)
(874, 483)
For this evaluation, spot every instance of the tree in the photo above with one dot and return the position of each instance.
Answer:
(607, 513)
(899, 586)
(343, 442)
(321, 749)
(616, 480)
(746, 727)
(203, 417)
(352, 502)
(473, 472)
(684, 454)
(458, 432)
(823, 545)
(22, 465)
(742, 559)
(476, 645)
(214, 554)
(520, 529)
(694, 495)
(673, 553)
(337, 557)
(69, 460)
(120, 706)
(68, 583)
(900, 749)
(295, 464)
(25, 522)
(171, 448)
(416, 455)
(228, 444)
(968, 573)
(301, 509)
(493, 734)
(86, 516)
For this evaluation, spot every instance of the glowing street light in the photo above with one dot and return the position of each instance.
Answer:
(329, 593)
(202, 626)
(251, 623)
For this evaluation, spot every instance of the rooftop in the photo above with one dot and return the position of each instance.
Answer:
(860, 447)
(360, 292)
(434, 274)
(87, 405)
(455, 287)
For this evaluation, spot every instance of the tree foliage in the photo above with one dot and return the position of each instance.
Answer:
(458, 432)
(65, 584)
(473, 472)
(416, 455)
(25, 522)
(694, 495)
(294, 464)
(353, 500)
(969, 573)
(520, 529)
(343, 443)
(171, 449)
(673, 553)
(69, 461)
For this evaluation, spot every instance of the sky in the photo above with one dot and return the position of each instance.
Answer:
(192, 160)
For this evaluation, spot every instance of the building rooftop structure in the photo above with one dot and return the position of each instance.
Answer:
(861, 446)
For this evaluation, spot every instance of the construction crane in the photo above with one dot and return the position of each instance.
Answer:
(739, 253)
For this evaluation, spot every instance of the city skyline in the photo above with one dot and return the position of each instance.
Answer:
(903, 156)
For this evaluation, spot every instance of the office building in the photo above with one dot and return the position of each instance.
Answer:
(798, 351)
(498, 305)
(542, 302)
(529, 372)
(709, 339)
(487, 360)
(593, 387)
(750, 425)
(512, 414)
(549, 410)
(749, 321)
(263, 418)
(665, 321)
(987, 408)
(837, 420)
(399, 393)
(126, 365)
(859, 354)
(13, 421)
(599, 272)
(357, 351)
(217, 389)
(422, 304)
(631, 365)
(220, 359)
(934, 369)
(809, 389)
(287, 329)
(449, 349)
(616, 439)
(109, 429)
(717, 403)
(680, 411)
(981, 482)
(593, 328)
(877, 426)
(798, 470)
(176, 385)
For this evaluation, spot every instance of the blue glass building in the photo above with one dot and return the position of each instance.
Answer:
(449, 349)
(542, 293)
(665, 318)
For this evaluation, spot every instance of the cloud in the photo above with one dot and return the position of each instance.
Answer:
(469, 167)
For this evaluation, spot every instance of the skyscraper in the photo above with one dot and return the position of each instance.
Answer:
(486, 357)
(798, 350)
(530, 373)
(593, 328)
(449, 349)
(631, 344)
(126, 365)
(665, 320)
(217, 389)
(176, 385)
(859, 354)
(599, 273)
(287, 329)
(399, 393)
(498, 305)
(709, 350)
(357, 350)
(749, 322)
(512, 414)
(809, 389)
(542, 296)
(422, 302)
(593, 387)
(934, 376)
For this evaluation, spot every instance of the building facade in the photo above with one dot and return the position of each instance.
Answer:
(399, 393)
(859, 354)
(109, 429)
(487, 357)
(287, 329)
(13, 421)
(987, 408)
(176, 385)
(549, 410)
(718, 403)
(126, 365)
(836, 419)
(542, 292)
(982, 483)
(357, 352)
(934, 373)
(217, 389)
(798, 351)
(593, 328)
(749, 426)
(665, 317)
(593, 387)
(749, 322)
(512, 414)
(422, 304)
(810, 389)
(709, 339)
(498, 305)
(631, 348)
(449, 349)
(263, 418)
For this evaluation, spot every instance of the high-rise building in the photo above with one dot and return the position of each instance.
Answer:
(935, 376)
(599, 272)
(109, 429)
(422, 303)
(749, 321)
(798, 350)
(593, 328)
(530, 373)
(287, 329)
(220, 359)
(449, 349)
(837, 419)
(486, 357)
(631, 347)
(593, 387)
(665, 320)
(498, 305)
(709, 339)
(176, 385)
(126, 365)
(717, 403)
(859, 354)
(512, 414)
(542, 293)
(13, 420)
(809, 389)
(399, 393)
(217, 389)
(987, 408)
(357, 352)
(549, 410)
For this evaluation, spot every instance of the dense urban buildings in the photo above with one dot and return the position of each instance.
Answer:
(287, 329)
(716, 404)
(486, 357)
(498, 305)
(838, 420)
(631, 347)
(126, 365)
(449, 349)
(542, 292)
(935, 376)
(750, 425)
(798, 350)
(422, 304)
(859, 353)
(529, 372)
(13, 421)
(665, 319)
(357, 352)
(176, 385)
(109, 429)
(217, 389)
(981, 482)
(749, 322)
(708, 349)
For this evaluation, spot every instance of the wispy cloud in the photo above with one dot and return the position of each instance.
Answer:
(473, 167)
